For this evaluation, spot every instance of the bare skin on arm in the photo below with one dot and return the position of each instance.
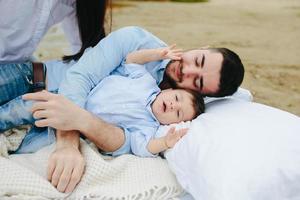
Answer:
(163, 143)
(60, 113)
(66, 163)
(143, 56)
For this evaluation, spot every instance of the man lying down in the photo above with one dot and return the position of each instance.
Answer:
(210, 72)
(133, 102)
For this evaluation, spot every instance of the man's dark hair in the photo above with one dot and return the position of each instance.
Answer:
(198, 102)
(90, 16)
(231, 75)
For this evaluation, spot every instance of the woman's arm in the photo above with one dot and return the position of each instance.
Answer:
(148, 55)
(158, 145)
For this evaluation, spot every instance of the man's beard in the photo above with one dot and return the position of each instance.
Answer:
(168, 82)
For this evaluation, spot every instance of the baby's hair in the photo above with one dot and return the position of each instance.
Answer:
(198, 102)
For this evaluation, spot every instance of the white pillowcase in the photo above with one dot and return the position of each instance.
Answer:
(241, 94)
(239, 150)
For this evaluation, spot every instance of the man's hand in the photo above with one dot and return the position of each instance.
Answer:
(170, 52)
(173, 136)
(55, 110)
(65, 164)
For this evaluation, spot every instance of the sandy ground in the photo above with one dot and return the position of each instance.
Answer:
(266, 35)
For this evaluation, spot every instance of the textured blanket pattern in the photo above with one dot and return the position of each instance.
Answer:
(11, 139)
(124, 177)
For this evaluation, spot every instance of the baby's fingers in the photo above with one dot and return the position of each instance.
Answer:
(182, 132)
(164, 52)
(176, 56)
(177, 50)
(172, 46)
(171, 130)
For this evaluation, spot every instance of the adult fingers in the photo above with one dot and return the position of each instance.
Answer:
(40, 114)
(57, 173)
(39, 106)
(50, 168)
(75, 178)
(44, 123)
(65, 178)
(38, 96)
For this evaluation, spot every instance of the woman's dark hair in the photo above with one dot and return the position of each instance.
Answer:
(91, 19)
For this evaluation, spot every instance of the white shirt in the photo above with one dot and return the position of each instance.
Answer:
(24, 23)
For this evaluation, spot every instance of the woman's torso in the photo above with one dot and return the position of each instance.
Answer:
(24, 23)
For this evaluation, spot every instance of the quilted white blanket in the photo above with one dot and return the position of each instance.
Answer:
(124, 177)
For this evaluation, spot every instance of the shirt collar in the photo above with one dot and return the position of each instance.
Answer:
(150, 101)
(162, 69)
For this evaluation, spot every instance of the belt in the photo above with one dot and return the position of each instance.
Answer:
(38, 77)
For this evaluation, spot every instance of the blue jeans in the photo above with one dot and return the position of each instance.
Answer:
(17, 112)
(15, 80)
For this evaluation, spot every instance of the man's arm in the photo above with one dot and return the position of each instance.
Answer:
(105, 136)
(60, 113)
(66, 164)
(149, 55)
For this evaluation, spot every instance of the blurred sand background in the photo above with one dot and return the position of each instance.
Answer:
(265, 33)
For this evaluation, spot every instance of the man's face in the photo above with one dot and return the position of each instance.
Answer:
(173, 106)
(198, 70)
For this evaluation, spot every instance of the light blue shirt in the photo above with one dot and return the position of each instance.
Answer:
(125, 101)
(106, 58)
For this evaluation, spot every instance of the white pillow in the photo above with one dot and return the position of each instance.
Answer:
(239, 150)
(241, 94)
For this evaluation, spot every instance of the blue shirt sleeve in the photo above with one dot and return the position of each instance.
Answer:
(139, 140)
(101, 60)
(125, 148)
(135, 142)
(134, 70)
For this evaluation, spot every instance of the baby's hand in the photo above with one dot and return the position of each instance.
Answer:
(170, 52)
(173, 136)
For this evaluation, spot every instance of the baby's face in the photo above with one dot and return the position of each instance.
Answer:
(173, 106)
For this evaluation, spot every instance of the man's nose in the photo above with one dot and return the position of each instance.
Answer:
(188, 71)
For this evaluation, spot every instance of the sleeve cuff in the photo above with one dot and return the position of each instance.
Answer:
(125, 148)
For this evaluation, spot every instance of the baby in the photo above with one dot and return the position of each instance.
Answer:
(132, 101)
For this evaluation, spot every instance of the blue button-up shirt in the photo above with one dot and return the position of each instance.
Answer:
(106, 58)
(125, 101)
